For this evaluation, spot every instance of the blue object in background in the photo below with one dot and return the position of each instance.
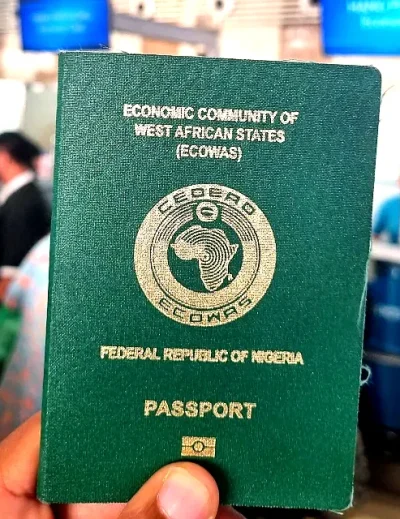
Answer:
(384, 389)
(387, 219)
(52, 25)
(361, 26)
(383, 311)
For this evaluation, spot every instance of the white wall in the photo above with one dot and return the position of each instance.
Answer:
(12, 104)
(388, 155)
(250, 43)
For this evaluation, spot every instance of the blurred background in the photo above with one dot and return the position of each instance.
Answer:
(363, 32)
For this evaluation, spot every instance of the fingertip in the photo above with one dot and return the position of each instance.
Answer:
(19, 458)
(188, 492)
(180, 490)
(203, 476)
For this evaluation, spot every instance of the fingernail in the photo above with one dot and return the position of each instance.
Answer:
(231, 513)
(182, 496)
(227, 512)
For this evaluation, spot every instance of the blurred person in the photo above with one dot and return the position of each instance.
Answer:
(21, 386)
(387, 219)
(24, 214)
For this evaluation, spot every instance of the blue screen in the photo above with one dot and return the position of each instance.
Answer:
(361, 26)
(52, 25)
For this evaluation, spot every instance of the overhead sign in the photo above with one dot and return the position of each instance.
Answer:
(52, 25)
(361, 27)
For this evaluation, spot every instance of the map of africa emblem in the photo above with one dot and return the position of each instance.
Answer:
(205, 255)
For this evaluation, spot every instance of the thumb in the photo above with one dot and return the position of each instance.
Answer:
(177, 491)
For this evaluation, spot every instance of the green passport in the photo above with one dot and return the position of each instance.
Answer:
(209, 250)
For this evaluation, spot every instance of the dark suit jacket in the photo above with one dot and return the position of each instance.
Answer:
(24, 220)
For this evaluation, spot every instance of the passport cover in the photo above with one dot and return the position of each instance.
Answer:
(209, 250)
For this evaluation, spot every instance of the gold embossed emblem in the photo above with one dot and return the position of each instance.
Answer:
(205, 255)
(198, 446)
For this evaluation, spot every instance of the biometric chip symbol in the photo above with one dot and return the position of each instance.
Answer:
(213, 251)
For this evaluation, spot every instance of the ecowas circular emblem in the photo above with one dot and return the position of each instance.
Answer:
(205, 255)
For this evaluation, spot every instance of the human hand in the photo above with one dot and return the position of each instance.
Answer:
(177, 491)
